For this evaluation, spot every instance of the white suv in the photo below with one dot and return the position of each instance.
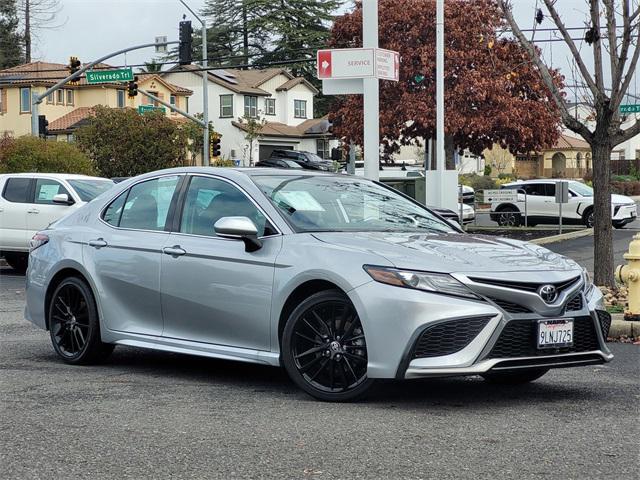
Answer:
(542, 206)
(31, 201)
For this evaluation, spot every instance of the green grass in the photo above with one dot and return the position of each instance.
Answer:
(615, 309)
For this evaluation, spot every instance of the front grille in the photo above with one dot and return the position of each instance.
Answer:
(574, 304)
(509, 307)
(519, 339)
(525, 286)
(605, 322)
(448, 337)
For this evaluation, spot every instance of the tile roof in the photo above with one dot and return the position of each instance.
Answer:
(566, 142)
(71, 119)
(309, 128)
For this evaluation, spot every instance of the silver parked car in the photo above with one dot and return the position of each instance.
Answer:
(339, 279)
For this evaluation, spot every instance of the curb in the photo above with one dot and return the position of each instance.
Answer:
(621, 327)
(561, 238)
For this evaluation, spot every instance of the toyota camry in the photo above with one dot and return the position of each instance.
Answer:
(340, 280)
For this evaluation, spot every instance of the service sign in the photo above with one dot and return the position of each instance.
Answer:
(351, 63)
(503, 195)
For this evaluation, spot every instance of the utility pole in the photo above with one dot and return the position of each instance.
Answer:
(205, 86)
(27, 31)
(371, 95)
(440, 163)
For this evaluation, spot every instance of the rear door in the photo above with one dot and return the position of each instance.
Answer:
(14, 205)
(124, 251)
(539, 203)
(43, 211)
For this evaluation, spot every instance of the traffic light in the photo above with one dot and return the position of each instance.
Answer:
(215, 147)
(185, 53)
(132, 87)
(43, 126)
(74, 65)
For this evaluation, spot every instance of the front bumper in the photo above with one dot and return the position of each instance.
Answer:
(626, 213)
(395, 319)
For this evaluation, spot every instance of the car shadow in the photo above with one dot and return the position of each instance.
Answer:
(445, 393)
(7, 271)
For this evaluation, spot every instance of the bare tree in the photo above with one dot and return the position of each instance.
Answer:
(613, 35)
(37, 15)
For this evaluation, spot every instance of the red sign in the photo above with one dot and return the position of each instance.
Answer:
(324, 64)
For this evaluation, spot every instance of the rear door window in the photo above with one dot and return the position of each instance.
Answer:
(148, 204)
(17, 190)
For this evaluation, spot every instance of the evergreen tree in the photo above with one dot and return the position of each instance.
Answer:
(10, 38)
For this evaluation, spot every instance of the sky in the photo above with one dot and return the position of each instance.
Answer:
(92, 28)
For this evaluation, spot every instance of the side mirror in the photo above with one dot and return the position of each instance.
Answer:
(62, 199)
(240, 228)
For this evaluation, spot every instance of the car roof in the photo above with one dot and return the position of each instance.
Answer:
(59, 176)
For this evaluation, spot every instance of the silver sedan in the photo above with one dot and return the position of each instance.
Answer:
(340, 280)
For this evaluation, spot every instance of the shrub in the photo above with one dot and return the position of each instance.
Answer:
(33, 154)
(487, 170)
(477, 182)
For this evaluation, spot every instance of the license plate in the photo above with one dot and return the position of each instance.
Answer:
(555, 333)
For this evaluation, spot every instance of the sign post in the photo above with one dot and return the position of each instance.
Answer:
(562, 196)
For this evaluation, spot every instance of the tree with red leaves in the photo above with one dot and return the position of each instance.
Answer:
(493, 93)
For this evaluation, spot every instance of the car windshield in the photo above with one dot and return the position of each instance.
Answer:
(581, 189)
(87, 190)
(316, 158)
(337, 204)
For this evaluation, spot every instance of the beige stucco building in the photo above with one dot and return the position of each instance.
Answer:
(67, 108)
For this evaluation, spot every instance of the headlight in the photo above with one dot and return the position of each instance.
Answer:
(588, 283)
(426, 281)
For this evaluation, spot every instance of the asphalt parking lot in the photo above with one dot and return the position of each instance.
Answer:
(148, 414)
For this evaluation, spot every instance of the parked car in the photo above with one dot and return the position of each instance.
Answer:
(278, 163)
(468, 214)
(542, 207)
(307, 160)
(31, 201)
(468, 194)
(340, 280)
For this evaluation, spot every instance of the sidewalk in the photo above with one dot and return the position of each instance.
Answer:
(620, 327)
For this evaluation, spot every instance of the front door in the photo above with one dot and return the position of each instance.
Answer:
(125, 253)
(43, 211)
(213, 290)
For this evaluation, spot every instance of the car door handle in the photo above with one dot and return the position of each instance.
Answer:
(33, 210)
(99, 243)
(174, 251)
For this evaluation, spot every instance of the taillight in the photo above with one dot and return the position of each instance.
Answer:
(37, 241)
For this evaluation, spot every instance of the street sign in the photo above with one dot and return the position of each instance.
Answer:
(108, 76)
(350, 63)
(562, 192)
(504, 195)
(630, 108)
(142, 109)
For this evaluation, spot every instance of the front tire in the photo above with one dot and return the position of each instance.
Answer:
(514, 378)
(74, 325)
(509, 217)
(324, 350)
(588, 218)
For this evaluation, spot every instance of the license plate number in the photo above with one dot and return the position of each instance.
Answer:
(555, 333)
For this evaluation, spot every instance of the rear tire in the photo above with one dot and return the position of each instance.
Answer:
(514, 378)
(324, 349)
(18, 261)
(619, 225)
(74, 326)
(587, 218)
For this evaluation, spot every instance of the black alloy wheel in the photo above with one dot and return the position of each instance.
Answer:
(324, 348)
(73, 324)
(588, 218)
(509, 217)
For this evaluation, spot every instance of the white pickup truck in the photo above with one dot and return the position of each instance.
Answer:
(542, 206)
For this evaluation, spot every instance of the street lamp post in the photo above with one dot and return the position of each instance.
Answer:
(205, 86)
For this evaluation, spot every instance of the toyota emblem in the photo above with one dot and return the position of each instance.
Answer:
(548, 293)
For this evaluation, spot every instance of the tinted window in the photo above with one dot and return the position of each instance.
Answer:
(148, 204)
(17, 190)
(538, 189)
(47, 189)
(112, 213)
(550, 189)
(87, 190)
(209, 199)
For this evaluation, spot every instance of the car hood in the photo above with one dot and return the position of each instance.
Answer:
(453, 252)
(620, 199)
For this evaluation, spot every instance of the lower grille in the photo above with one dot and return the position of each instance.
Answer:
(605, 322)
(448, 337)
(519, 339)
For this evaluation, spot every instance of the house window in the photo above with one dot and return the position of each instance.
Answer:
(25, 100)
(60, 97)
(300, 108)
(270, 106)
(150, 101)
(121, 100)
(50, 98)
(172, 100)
(70, 137)
(250, 106)
(322, 148)
(226, 106)
(70, 97)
